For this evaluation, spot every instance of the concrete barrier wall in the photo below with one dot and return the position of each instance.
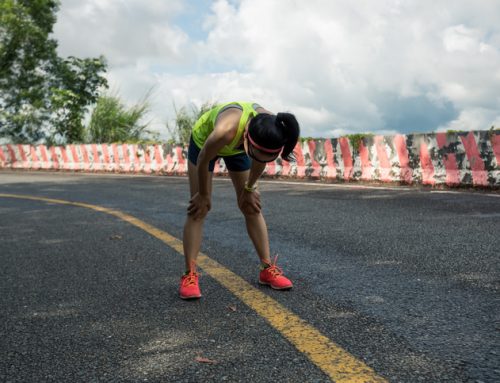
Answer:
(458, 159)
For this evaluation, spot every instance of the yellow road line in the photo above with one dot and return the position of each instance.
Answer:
(336, 362)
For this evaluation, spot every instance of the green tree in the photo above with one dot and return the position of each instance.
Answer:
(112, 121)
(26, 57)
(41, 95)
(76, 88)
(185, 118)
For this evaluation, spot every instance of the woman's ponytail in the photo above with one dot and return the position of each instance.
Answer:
(291, 131)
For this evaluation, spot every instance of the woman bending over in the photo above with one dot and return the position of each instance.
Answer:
(246, 136)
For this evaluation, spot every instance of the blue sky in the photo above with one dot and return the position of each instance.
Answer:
(192, 18)
(340, 66)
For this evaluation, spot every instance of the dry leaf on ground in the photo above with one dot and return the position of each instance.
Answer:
(201, 359)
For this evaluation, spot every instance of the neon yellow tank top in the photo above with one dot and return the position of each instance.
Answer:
(206, 123)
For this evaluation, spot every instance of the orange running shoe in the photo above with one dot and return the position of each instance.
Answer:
(190, 288)
(273, 276)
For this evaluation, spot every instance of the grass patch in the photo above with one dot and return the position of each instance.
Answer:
(355, 139)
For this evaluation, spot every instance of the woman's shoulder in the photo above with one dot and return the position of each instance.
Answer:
(228, 116)
(226, 126)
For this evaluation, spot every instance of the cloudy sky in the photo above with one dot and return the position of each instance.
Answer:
(341, 66)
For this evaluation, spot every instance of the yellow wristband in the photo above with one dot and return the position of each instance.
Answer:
(250, 189)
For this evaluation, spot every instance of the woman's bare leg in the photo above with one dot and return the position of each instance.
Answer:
(256, 225)
(193, 228)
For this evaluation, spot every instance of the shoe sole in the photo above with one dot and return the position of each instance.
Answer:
(190, 297)
(275, 288)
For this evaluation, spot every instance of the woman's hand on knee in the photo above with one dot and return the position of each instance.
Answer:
(249, 202)
(199, 206)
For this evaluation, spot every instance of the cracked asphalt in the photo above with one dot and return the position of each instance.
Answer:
(406, 280)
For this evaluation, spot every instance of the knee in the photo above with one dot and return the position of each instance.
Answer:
(247, 210)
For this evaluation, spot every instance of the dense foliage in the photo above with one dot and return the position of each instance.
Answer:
(43, 97)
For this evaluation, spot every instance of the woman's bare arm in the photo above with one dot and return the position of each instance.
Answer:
(222, 135)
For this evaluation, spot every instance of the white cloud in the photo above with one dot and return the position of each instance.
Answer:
(341, 67)
(460, 38)
(124, 31)
(473, 119)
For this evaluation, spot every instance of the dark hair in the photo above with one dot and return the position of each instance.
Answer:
(275, 132)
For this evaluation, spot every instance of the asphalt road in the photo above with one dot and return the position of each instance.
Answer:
(406, 280)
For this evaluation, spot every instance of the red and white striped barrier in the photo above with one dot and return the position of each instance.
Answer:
(468, 159)
(96, 157)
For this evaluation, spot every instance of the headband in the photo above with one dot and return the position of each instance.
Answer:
(262, 148)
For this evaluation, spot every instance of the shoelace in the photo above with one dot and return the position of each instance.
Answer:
(190, 279)
(274, 269)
